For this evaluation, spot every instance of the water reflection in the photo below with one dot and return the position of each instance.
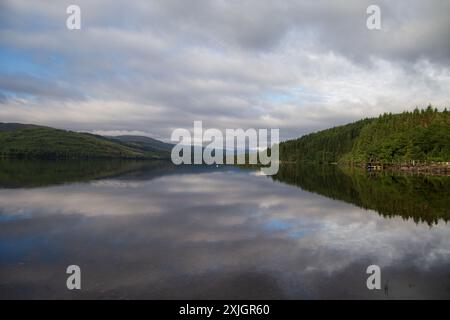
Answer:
(419, 197)
(157, 231)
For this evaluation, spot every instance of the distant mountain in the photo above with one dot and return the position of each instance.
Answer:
(144, 143)
(410, 137)
(31, 141)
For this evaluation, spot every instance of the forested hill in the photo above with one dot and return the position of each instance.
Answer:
(31, 141)
(323, 146)
(421, 135)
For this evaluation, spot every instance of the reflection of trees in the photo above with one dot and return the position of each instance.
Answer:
(422, 198)
(25, 173)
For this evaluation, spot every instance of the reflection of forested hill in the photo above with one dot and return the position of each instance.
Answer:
(22, 173)
(25, 173)
(422, 198)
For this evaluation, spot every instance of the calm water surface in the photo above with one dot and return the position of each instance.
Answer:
(152, 230)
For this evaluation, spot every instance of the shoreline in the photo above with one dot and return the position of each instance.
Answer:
(432, 169)
(435, 169)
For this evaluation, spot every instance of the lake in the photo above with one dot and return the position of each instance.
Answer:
(151, 230)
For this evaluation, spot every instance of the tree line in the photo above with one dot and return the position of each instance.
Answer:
(413, 137)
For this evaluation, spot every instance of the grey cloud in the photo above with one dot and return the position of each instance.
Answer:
(412, 29)
(300, 66)
(36, 87)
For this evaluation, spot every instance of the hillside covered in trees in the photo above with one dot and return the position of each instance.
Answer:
(38, 142)
(410, 137)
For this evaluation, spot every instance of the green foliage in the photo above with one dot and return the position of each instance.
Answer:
(323, 147)
(418, 136)
(410, 136)
(48, 143)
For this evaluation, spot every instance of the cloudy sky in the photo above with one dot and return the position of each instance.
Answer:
(149, 67)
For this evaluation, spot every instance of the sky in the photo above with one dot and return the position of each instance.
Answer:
(149, 67)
